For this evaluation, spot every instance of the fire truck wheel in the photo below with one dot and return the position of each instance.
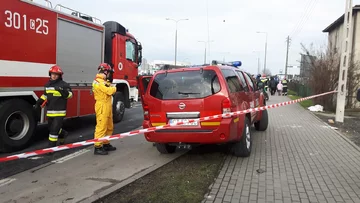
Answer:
(17, 124)
(118, 107)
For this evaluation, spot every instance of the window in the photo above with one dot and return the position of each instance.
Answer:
(252, 81)
(185, 85)
(232, 80)
(130, 51)
(248, 78)
(242, 81)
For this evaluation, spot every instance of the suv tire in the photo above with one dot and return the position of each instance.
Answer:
(164, 148)
(262, 124)
(243, 147)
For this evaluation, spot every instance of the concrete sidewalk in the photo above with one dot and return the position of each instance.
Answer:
(83, 177)
(298, 159)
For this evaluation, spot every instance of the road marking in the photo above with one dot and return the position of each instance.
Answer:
(6, 181)
(71, 156)
(36, 157)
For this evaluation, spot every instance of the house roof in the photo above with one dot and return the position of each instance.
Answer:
(340, 20)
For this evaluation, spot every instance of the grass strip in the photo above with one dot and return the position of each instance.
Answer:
(185, 179)
(305, 104)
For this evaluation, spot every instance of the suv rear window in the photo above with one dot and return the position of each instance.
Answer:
(185, 85)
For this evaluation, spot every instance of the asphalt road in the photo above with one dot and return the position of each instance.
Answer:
(79, 129)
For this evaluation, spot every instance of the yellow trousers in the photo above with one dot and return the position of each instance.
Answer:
(104, 122)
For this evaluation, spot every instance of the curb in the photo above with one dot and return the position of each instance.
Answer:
(126, 181)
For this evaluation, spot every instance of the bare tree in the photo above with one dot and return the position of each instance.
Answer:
(324, 71)
(324, 75)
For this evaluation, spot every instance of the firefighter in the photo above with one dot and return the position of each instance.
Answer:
(55, 97)
(103, 92)
(285, 87)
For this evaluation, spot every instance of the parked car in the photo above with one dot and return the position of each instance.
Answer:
(194, 92)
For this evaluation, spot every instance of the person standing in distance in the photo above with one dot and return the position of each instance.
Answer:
(103, 91)
(55, 97)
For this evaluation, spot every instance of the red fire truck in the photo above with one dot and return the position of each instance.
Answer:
(33, 37)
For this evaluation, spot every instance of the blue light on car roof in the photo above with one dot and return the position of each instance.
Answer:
(236, 63)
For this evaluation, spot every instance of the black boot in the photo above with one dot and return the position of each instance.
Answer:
(52, 144)
(100, 151)
(109, 147)
(62, 137)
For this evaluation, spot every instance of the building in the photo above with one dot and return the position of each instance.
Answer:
(335, 33)
(305, 65)
(157, 64)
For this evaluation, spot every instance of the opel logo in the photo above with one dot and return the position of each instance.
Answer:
(182, 106)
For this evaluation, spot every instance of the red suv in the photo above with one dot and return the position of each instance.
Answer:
(194, 92)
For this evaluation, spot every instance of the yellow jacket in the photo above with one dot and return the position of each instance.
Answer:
(102, 90)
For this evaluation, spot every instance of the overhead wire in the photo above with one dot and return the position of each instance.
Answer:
(302, 17)
(305, 18)
(305, 21)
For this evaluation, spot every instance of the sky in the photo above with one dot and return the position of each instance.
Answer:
(232, 25)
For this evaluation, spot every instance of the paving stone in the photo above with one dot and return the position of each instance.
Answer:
(303, 158)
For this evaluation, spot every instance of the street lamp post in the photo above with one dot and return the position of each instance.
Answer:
(266, 34)
(205, 42)
(176, 22)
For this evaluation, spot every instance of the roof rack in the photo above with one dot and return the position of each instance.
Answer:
(233, 63)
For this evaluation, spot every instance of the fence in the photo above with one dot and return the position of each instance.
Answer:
(300, 89)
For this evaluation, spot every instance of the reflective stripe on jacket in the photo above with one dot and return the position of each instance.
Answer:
(56, 100)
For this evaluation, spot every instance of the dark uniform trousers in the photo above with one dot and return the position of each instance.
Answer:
(55, 129)
(56, 95)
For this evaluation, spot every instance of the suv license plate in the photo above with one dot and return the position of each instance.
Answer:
(173, 121)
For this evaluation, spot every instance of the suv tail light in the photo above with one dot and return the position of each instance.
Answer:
(146, 112)
(226, 106)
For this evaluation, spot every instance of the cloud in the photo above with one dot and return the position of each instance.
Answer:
(233, 25)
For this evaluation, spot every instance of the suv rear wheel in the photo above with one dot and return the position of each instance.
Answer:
(243, 147)
(262, 124)
(164, 148)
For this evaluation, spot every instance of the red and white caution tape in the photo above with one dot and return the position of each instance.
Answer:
(151, 129)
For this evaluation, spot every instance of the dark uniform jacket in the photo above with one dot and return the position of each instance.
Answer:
(55, 95)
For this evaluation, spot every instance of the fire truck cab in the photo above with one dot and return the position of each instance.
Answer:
(35, 37)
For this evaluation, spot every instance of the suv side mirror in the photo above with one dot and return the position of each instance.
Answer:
(358, 95)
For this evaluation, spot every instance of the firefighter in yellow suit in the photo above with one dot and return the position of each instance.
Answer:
(103, 92)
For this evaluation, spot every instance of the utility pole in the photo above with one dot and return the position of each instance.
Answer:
(344, 63)
(205, 55)
(175, 43)
(287, 54)
(266, 39)
(258, 60)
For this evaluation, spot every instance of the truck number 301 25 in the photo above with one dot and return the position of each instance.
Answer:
(15, 20)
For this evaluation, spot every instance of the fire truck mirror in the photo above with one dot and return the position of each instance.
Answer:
(110, 77)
